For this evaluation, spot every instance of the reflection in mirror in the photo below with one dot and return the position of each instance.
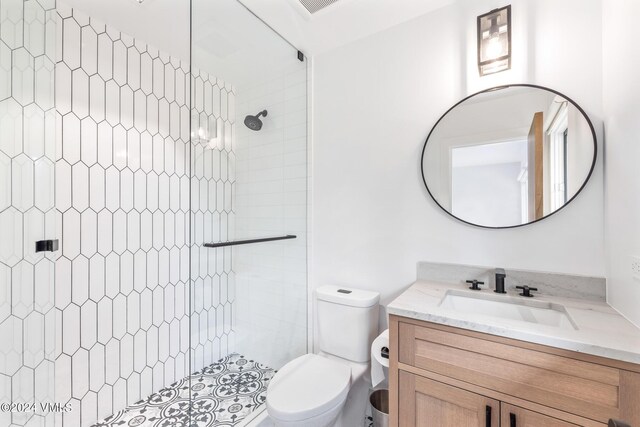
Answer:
(509, 156)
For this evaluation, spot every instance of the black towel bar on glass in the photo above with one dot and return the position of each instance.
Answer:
(246, 242)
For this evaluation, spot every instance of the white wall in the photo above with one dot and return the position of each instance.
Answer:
(375, 101)
(622, 133)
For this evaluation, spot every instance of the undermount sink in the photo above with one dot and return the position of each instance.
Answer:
(509, 308)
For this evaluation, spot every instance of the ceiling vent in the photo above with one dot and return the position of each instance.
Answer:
(309, 8)
(314, 6)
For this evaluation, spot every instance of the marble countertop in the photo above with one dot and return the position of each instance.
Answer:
(601, 331)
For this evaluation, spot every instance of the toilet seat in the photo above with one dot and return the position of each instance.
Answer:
(307, 387)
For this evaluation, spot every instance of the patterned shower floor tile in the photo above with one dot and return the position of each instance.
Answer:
(221, 395)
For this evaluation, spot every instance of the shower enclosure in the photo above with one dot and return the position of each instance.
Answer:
(153, 263)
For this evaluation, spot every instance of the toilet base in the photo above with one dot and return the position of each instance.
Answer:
(352, 414)
(325, 419)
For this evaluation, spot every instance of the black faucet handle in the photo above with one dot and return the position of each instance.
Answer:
(526, 290)
(616, 423)
(475, 285)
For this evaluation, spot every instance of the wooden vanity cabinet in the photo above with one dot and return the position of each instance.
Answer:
(431, 403)
(428, 403)
(442, 376)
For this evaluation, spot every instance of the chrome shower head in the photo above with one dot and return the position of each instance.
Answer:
(254, 122)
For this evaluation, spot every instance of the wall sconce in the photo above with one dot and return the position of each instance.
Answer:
(494, 41)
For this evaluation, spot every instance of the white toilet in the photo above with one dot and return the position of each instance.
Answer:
(311, 391)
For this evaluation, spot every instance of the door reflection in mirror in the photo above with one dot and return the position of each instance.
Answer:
(483, 175)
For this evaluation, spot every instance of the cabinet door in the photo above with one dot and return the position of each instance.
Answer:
(513, 416)
(427, 403)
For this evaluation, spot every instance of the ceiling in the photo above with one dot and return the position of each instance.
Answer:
(165, 23)
(237, 46)
(234, 44)
(340, 23)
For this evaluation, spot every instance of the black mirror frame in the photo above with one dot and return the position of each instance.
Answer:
(593, 163)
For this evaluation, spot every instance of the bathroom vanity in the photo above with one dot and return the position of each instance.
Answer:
(454, 365)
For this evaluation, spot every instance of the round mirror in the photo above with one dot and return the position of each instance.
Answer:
(509, 156)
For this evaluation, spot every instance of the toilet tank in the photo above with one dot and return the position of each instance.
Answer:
(347, 322)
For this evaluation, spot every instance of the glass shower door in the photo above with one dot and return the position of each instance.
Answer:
(27, 213)
(249, 208)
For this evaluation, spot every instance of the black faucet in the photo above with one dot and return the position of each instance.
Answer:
(500, 276)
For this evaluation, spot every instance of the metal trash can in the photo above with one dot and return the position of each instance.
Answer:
(379, 402)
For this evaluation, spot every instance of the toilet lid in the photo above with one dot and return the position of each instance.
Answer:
(306, 387)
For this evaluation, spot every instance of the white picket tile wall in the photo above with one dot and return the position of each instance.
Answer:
(27, 212)
(122, 192)
(271, 290)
